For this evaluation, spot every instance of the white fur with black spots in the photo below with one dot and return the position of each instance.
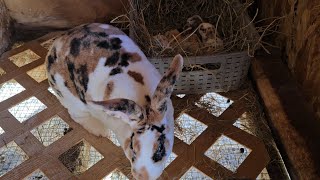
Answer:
(89, 68)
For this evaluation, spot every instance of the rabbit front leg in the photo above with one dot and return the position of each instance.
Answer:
(124, 109)
(90, 123)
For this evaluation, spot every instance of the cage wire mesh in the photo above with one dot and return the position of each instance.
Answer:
(9, 89)
(1, 131)
(116, 175)
(47, 44)
(194, 173)
(170, 159)
(180, 95)
(188, 128)
(11, 155)
(80, 157)
(36, 175)
(214, 103)
(24, 58)
(2, 72)
(17, 44)
(27, 109)
(228, 153)
(51, 130)
(38, 74)
(52, 91)
(112, 137)
(264, 175)
(243, 123)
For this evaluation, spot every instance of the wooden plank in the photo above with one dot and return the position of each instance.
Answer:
(292, 122)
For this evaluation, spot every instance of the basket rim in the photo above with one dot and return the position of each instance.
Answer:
(221, 55)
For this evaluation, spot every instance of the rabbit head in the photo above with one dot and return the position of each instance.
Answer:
(151, 137)
(193, 22)
(209, 35)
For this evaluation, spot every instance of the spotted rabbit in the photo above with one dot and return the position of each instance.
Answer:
(106, 82)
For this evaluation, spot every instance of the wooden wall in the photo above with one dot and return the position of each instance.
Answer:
(4, 28)
(299, 37)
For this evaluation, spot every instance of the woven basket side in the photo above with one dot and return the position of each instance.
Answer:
(231, 74)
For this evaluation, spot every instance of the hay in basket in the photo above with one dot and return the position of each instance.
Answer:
(161, 29)
(208, 33)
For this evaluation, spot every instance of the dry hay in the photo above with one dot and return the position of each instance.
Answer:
(258, 125)
(148, 18)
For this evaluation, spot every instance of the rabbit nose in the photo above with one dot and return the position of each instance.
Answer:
(139, 175)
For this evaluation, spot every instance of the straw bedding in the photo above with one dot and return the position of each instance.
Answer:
(150, 18)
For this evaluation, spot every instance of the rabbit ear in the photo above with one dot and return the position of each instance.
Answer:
(165, 87)
(125, 109)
